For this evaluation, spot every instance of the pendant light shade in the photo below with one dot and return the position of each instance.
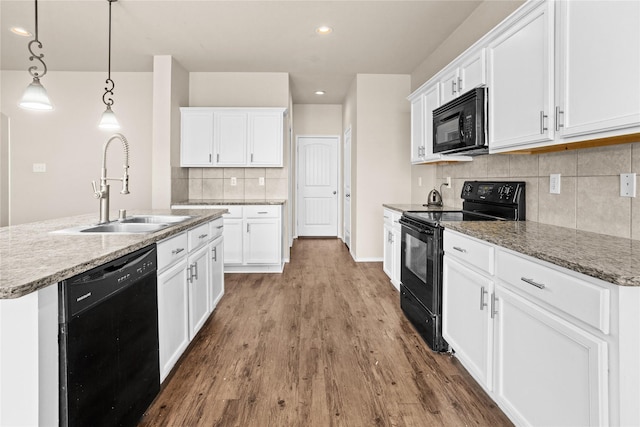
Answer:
(35, 96)
(108, 121)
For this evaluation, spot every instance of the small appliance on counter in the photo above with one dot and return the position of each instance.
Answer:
(434, 198)
(422, 249)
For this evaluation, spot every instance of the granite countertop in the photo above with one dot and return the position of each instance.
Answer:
(612, 259)
(32, 258)
(218, 202)
(419, 208)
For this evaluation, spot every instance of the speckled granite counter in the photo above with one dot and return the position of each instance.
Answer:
(220, 202)
(612, 259)
(32, 258)
(419, 208)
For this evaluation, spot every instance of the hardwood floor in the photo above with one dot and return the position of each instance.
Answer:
(323, 344)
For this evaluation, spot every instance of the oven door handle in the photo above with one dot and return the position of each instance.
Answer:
(411, 226)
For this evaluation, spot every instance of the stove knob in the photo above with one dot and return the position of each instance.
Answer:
(468, 189)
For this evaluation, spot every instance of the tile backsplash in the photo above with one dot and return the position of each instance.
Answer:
(589, 196)
(216, 183)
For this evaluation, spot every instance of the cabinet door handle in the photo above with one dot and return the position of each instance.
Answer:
(209, 157)
(543, 116)
(534, 283)
(202, 236)
(464, 251)
(453, 87)
(190, 273)
(493, 306)
(177, 251)
(217, 158)
(195, 267)
(558, 124)
(219, 227)
(251, 157)
(483, 304)
(459, 84)
(215, 254)
(263, 212)
(248, 228)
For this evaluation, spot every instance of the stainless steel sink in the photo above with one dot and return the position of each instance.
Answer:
(154, 219)
(139, 224)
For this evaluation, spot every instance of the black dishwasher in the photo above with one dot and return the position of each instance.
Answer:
(108, 339)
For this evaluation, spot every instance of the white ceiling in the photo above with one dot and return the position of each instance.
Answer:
(379, 37)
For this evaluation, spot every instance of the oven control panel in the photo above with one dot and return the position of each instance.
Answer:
(495, 192)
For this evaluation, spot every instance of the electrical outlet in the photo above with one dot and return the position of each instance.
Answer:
(39, 167)
(449, 181)
(261, 180)
(234, 181)
(627, 185)
(554, 183)
(419, 181)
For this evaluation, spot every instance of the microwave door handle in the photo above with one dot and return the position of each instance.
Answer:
(461, 126)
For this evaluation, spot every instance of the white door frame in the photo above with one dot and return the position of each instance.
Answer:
(339, 179)
(346, 131)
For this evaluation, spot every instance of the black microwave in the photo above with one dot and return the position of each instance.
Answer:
(460, 124)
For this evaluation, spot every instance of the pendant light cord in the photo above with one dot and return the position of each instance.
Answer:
(106, 97)
(33, 70)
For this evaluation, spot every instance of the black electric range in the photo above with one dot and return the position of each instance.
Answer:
(422, 235)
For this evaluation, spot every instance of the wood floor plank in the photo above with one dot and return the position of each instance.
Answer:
(322, 344)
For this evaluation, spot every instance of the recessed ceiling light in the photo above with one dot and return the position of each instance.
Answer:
(324, 30)
(21, 31)
(320, 92)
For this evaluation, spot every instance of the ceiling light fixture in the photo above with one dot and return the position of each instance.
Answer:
(320, 92)
(20, 32)
(35, 96)
(323, 30)
(108, 119)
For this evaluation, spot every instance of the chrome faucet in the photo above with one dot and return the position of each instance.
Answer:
(103, 192)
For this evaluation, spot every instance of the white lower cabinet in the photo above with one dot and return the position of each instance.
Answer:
(216, 288)
(173, 316)
(259, 237)
(392, 246)
(190, 283)
(549, 345)
(198, 276)
(467, 318)
(548, 371)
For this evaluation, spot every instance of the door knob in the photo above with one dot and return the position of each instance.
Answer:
(335, 192)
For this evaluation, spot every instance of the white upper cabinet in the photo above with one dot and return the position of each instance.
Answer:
(418, 118)
(265, 138)
(463, 75)
(232, 137)
(598, 77)
(521, 80)
(196, 147)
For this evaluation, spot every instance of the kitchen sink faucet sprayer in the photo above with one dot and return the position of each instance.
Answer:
(103, 192)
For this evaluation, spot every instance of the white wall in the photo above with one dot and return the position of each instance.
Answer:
(239, 90)
(383, 146)
(69, 142)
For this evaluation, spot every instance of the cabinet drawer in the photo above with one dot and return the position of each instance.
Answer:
(171, 250)
(262, 211)
(234, 211)
(215, 228)
(583, 300)
(469, 251)
(199, 236)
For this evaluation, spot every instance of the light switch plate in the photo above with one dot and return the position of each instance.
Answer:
(261, 180)
(234, 181)
(419, 181)
(554, 183)
(627, 185)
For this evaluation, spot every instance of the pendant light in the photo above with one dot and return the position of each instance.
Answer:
(108, 120)
(35, 96)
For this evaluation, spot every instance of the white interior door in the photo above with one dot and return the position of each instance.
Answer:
(347, 188)
(317, 186)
